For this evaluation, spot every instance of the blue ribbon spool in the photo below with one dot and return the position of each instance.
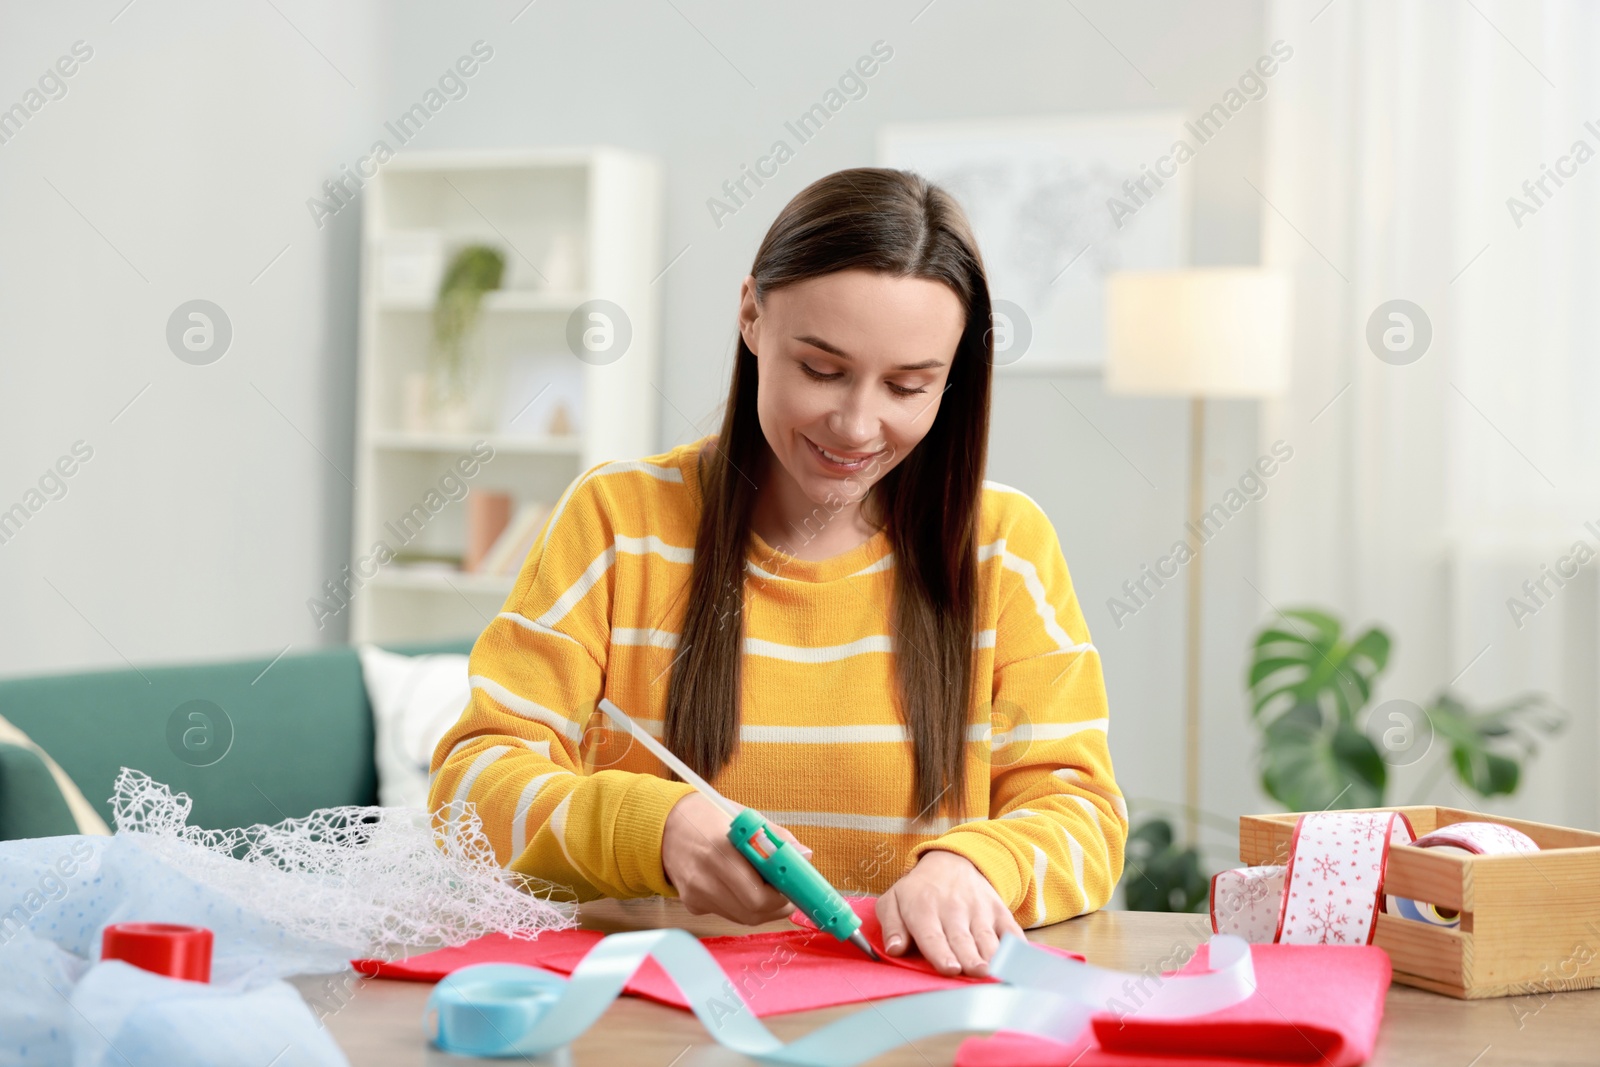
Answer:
(486, 1010)
(1423, 912)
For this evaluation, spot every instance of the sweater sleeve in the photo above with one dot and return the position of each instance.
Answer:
(1053, 843)
(518, 754)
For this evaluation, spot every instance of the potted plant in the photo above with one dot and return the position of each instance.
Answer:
(473, 271)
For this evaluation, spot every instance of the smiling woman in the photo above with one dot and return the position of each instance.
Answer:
(824, 610)
(827, 414)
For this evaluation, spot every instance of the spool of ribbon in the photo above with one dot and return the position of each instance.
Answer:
(1471, 838)
(512, 1010)
(164, 948)
(1330, 890)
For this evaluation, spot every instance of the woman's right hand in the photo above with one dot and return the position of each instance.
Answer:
(709, 874)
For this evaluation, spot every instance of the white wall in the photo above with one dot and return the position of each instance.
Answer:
(214, 505)
(176, 167)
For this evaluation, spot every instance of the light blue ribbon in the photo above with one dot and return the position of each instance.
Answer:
(497, 1010)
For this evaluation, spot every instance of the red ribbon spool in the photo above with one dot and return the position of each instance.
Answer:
(164, 948)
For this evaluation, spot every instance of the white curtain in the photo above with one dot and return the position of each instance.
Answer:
(1426, 493)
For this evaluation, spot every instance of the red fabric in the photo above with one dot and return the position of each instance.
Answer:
(792, 970)
(1314, 1004)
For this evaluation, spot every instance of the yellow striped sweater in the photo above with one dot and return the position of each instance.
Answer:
(595, 612)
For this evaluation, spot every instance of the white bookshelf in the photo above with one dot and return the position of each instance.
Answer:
(606, 205)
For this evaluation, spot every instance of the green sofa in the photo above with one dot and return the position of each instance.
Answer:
(301, 737)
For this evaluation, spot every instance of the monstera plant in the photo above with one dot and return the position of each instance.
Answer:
(1310, 683)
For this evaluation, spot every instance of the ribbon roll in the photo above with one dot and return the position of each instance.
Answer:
(161, 948)
(513, 1010)
(1467, 838)
(1328, 893)
(1479, 838)
(1247, 902)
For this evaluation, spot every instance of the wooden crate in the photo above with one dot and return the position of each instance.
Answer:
(1530, 922)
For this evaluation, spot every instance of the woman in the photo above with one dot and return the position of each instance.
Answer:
(825, 610)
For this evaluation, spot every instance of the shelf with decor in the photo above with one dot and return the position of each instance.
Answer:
(509, 336)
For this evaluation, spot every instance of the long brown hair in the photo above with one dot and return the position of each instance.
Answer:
(891, 222)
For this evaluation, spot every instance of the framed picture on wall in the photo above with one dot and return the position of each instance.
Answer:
(1057, 204)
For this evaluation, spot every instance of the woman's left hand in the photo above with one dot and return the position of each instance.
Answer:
(948, 908)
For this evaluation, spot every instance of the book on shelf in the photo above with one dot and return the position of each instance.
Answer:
(488, 514)
(505, 556)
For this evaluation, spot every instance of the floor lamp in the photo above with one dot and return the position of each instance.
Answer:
(1219, 332)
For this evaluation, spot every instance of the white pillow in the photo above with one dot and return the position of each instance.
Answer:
(415, 700)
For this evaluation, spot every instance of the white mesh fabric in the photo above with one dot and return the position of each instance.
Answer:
(375, 881)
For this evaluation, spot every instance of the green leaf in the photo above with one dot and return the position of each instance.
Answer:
(1261, 668)
(1504, 773)
(1486, 773)
(1450, 724)
(1269, 696)
(1307, 767)
(1364, 660)
(1372, 646)
(1325, 626)
(1273, 635)
(1355, 752)
(1487, 748)
(1306, 663)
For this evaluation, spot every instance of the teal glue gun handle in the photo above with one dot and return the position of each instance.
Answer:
(785, 868)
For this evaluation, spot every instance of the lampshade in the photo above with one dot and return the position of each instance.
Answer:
(1213, 332)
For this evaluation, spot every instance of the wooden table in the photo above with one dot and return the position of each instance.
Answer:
(380, 1022)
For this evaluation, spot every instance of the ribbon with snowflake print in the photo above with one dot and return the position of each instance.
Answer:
(1328, 893)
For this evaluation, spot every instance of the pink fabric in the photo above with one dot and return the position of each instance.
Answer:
(791, 970)
(1314, 1004)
